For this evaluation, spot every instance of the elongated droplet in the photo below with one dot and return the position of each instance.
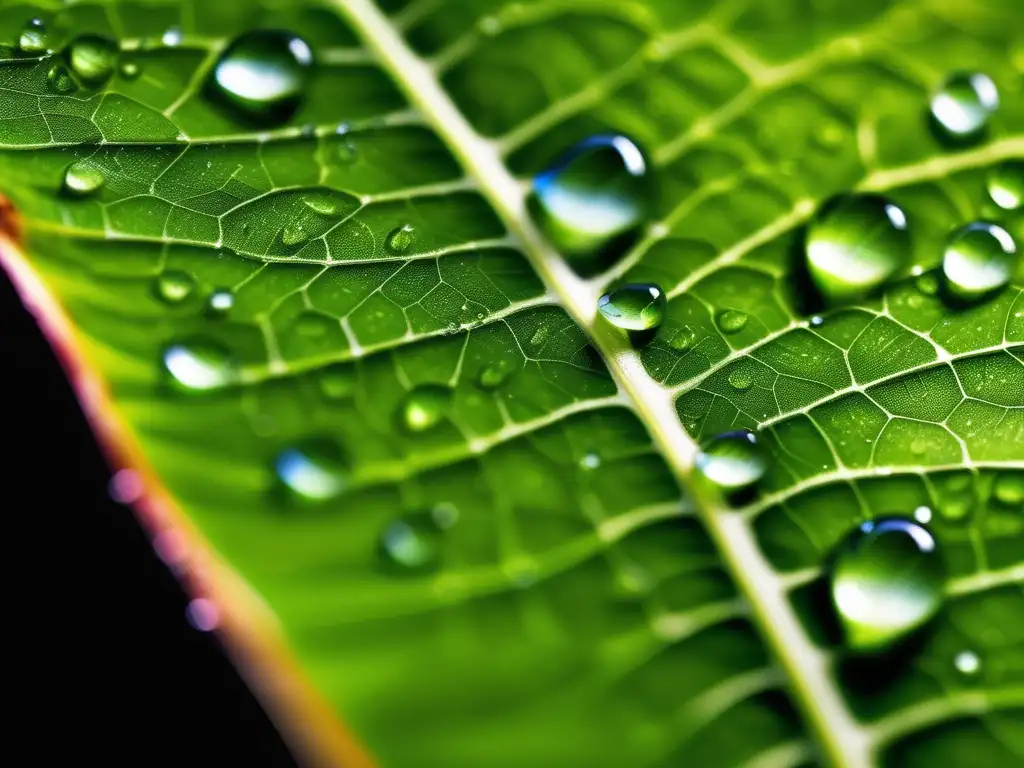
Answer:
(413, 542)
(539, 336)
(322, 204)
(92, 58)
(60, 79)
(175, 286)
(263, 75)
(425, 407)
(33, 38)
(856, 243)
(83, 178)
(221, 301)
(886, 582)
(963, 105)
(979, 259)
(495, 374)
(733, 462)
(315, 469)
(1008, 489)
(731, 321)
(400, 239)
(1005, 185)
(199, 366)
(596, 194)
(634, 307)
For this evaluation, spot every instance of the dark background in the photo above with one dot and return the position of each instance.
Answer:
(104, 664)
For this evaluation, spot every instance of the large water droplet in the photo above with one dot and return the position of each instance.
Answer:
(413, 542)
(962, 106)
(83, 178)
(33, 38)
(733, 462)
(323, 204)
(1005, 185)
(886, 581)
(60, 79)
(854, 244)
(315, 469)
(731, 321)
(634, 307)
(263, 74)
(1008, 489)
(199, 366)
(495, 374)
(979, 259)
(597, 194)
(175, 286)
(425, 407)
(400, 239)
(92, 58)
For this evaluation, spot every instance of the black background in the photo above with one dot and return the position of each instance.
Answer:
(104, 663)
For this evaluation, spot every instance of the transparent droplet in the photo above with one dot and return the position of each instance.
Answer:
(294, 232)
(979, 259)
(495, 374)
(315, 469)
(817, 321)
(60, 79)
(927, 284)
(129, 69)
(425, 407)
(963, 105)
(854, 244)
(731, 321)
(886, 581)
(734, 462)
(172, 37)
(1008, 489)
(83, 178)
(175, 286)
(683, 339)
(595, 195)
(400, 239)
(263, 75)
(92, 58)
(221, 301)
(590, 461)
(634, 307)
(967, 663)
(740, 379)
(923, 514)
(199, 366)
(337, 381)
(1005, 185)
(413, 542)
(33, 38)
(325, 205)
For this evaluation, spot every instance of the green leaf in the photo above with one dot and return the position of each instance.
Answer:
(592, 604)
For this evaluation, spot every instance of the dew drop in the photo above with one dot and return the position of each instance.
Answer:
(927, 284)
(33, 37)
(1005, 185)
(413, 542)
(683, 339)
(731, 321)
(425, 407)
(400, 239)
(263, 75)
(315, 469)
(886, 582)
(595, 195)
(817, 321)
(199, 366)
(92, 58)
(741, 380)
(325, 205)
(734, 462)
(495, 374)
(294, 233)
(979, 259)
(967, 663)
(590, 461)
(854, 244)
(82, 178)
(172, 37)
(1008, 489)
(634, 307)
(129, 69)
(221, 301)
(923, 514)
(961, 108)
(60, 79)
(175, 286)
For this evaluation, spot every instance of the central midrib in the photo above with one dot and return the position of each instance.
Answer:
(844, 743)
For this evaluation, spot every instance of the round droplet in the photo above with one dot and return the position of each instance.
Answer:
(962, 106)
(172, 37)
(595, 195)
(400, 239)
(315, 469)
(92, 58)
(733, 462)
(817, 321)
(854, 244)
(1008, 489)
(886, 581)
(967, 663)
(33, 38)
(634, 307)
(683, 339)
(60, 79)
(413, 542)
(263, 74)
(425, 407)
(294, 232)
(83, 178)
(1005, 185)
(175, 286)
(923, 514)
(200, 366)
(494, 375)
(731, 321)
(979, 259)
(741, 380)
(337, 381)
(590, 461)
(129, 69)
(221, 301)
(927, 284)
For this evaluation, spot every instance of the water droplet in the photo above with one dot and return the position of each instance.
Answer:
(494, 374)
(1005, 185)
(92, 58)
(337, 381)
(425, 407)
(927, 284)
(741, 380)
(60, 79)
(733, 462)
(634, 307)
(82, 178)
(33, 37)
(1008, 489)
(886, 581)
(400, 239)
(202, 614)
(129, 69)
(413, 542)
(683, 339)
(817, 321)
(221, 301)
(590, 461)
(174, 286)
(539, 336)
(967, 663)
(347, 152)
(322, 204)
(731, 321)
(923, 514)
(315, 469)
(263, 74)
(596, 194)
(979, 259)
(962, 106)
(294, 233)
(172, 37)
(854, 244)
(200, 366)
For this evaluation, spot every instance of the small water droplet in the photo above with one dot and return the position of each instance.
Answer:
(323, 204)
(595, 195)
(315, 469)
(590, 461)
(294, 232)
(927, 284)
(1008, 489)
(634, 307)
(854, 244)
(734, 462)
(741, 380)
(979, 259)
(33, 38)
(923, 514)
(967, 663)
(683, 339)
(129, 69)
(886, 582)
(60, 79)
(199, 366)
(495, 374)
(263, 75)
(174, 286)
(413, 542)
(221, 301)
(337, 381)
(1005, 185)
(172, 36)
(92, 58)
(539, 336)
(347, 152)
(425, 407)
(961, 108)
(817, 321)
(83, 178)
(731, 321)
(400, 239)
(918, 447)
